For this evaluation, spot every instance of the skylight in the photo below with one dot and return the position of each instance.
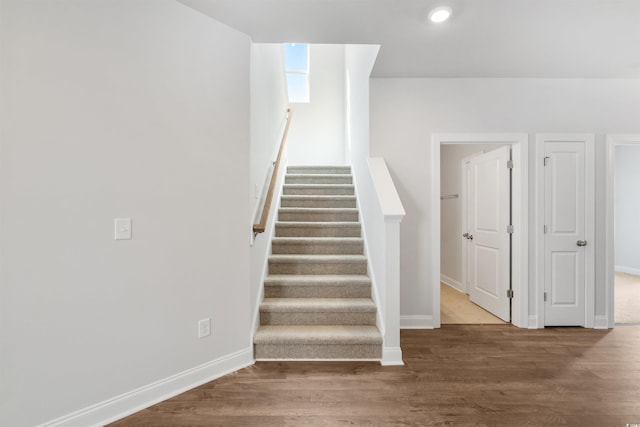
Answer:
(296, 64)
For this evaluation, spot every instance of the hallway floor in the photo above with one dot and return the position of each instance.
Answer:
(457, 309)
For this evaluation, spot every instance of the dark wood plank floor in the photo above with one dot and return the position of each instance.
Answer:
(460, 375)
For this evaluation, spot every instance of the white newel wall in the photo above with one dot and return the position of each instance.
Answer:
(380, 206)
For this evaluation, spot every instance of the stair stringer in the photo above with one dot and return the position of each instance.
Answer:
(370, 272)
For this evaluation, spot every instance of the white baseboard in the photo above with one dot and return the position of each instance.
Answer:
(533, 322)
(451, 282)
(391, 356)
(136, 400)
(628, 270)
(601, 322)
(416, 322)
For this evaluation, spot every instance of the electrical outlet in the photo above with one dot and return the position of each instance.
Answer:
(204, 328)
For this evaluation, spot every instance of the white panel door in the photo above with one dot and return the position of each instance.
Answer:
(489, 217)
(565, 231)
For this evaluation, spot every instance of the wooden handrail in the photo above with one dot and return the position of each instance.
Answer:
(260, 227)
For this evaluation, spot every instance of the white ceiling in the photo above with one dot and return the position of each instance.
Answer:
(484, 38)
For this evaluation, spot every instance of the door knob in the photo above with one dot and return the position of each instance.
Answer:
(466, 235)
(581, 243)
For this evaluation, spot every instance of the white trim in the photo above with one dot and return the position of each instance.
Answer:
(520, 202)
(628, 270)
(452, 283)
(391, 356)
(417, 322)
(464, 191)
(131, 402)
(533, 321)
(601, 322)
(589, 141)
(612, 141)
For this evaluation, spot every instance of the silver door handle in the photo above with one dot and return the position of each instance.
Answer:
(581, 243)
(465, 235)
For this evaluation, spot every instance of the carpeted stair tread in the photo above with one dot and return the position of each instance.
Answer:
(319, 201)
(318, 169)
(317, 305)
(318, 229)
(315, 280)
(297, 214)
(317, 224)
(317, 210)
(318, 189)
(323, 334)
(318, 259)
(317, 286)
(319, 240)
(333, 178)
(318, 245)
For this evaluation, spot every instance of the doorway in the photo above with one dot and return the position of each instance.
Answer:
(475, 188)
(519, 270)
(623, 230)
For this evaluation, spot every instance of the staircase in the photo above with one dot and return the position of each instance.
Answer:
(317, 302)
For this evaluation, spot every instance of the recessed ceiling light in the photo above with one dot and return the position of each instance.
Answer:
(440, 14)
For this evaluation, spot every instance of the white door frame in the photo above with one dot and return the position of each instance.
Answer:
(464, 192)
(612, 141)
(589, 140)
(520, 207)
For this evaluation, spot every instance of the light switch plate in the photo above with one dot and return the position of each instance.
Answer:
(122, 228)
(204, 328)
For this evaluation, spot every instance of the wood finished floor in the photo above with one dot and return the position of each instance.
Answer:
(459, 375)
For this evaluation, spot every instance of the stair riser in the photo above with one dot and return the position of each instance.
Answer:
(325, 231)
(318, 217)
(318, 268)
(317, 318)
(319, 170)
(317, 291)
(311, 351)
(311, 179)
(320, 191)
(318, 203)
(312, 248)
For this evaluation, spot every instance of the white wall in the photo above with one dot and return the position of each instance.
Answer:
(268, 116)
(359, 62)
(405, 112)
(113, 108)
(451, 209)
(627, 209)
(317, 135)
